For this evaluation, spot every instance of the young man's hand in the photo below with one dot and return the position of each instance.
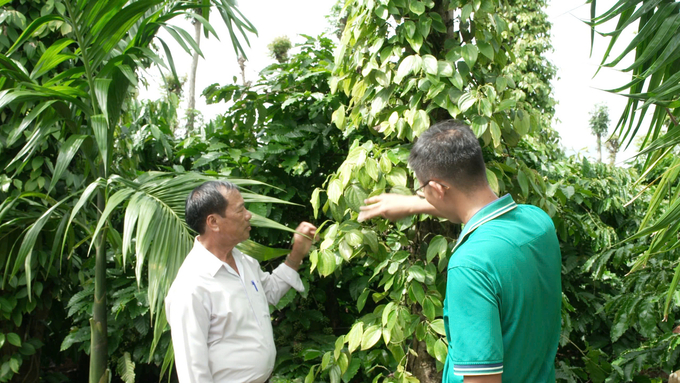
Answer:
(394, 207)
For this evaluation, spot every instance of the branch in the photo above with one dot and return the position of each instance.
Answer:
(673, 118)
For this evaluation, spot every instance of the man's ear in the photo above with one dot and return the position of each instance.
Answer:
(211, 223)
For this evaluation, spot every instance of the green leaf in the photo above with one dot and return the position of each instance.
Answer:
(382, 12)
(101, 91)
(418, 292)
(327, 263)
(523, 183)
(355, 196)
(66, 152)
(469, 53)
(437, 246)
(260, 252)
(466, 101)
(385, 164)
(440, 351)
(370, 238)
(430, 65)
(416, 7)
(397, 177)
(24, 257)
(437, 326)
(370, 337)
(428, 308)
(444, 68)
(486, 49)
(28, 32)
(335, 190)
(27, 349)
(410, 64)
(507, 104)
(52, 57)
(311, 375)
(14, 339)
(100, 127)
(421, 122)
(2, 339)
(14, 365)
(354, 336)
(338, 117)
(315, 202)
(493, 181)
(126, 368)
(649, 317)
(361, 302)
(486, 107)
(417, 272)
(345, 250)
(371, 167)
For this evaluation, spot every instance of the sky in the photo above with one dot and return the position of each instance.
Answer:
(576, 92)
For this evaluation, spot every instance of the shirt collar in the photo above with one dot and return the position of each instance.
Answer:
(487, 213)
(207, 260)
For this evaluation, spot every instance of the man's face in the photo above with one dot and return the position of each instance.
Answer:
(235, 225)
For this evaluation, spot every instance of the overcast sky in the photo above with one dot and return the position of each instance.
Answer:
(574, 89)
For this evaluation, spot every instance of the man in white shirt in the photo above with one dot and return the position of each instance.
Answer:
(218, 306)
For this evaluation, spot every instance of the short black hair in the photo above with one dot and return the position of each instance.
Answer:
(205, 200)
(450, 151)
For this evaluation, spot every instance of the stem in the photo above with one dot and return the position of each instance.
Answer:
(675, 120)
(99, 354)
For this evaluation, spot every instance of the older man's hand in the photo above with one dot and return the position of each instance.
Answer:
(301, 244)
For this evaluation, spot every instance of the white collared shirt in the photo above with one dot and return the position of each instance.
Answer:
(220, 324)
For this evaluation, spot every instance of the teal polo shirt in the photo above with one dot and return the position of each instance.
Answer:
(503, 296)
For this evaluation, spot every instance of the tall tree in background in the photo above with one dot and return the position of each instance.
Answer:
(234, 20)
(191, 99)
(599, 125)
(278, 49)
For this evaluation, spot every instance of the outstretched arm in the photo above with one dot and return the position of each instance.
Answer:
(395, 206)
(301, 245)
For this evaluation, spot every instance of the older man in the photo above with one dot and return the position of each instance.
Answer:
(503, 291)
(218, 306)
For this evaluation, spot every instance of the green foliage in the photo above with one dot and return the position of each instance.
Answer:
(402, 70)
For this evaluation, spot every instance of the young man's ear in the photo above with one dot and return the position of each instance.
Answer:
(438, 189)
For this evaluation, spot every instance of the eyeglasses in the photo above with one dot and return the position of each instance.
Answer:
(420, 189)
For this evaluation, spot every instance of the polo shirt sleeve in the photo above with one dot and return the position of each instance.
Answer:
(473, 323)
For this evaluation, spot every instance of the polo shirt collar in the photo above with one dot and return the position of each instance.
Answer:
(487, 213)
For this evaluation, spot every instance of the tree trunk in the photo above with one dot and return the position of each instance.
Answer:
(599, 147)
(424, 366)
(242, 65)
(192, 78)
(99, 349)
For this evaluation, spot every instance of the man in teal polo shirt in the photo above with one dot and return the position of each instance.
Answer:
(503, 291)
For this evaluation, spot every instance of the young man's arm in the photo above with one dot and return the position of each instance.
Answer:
(483, 379)
(395, 206)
